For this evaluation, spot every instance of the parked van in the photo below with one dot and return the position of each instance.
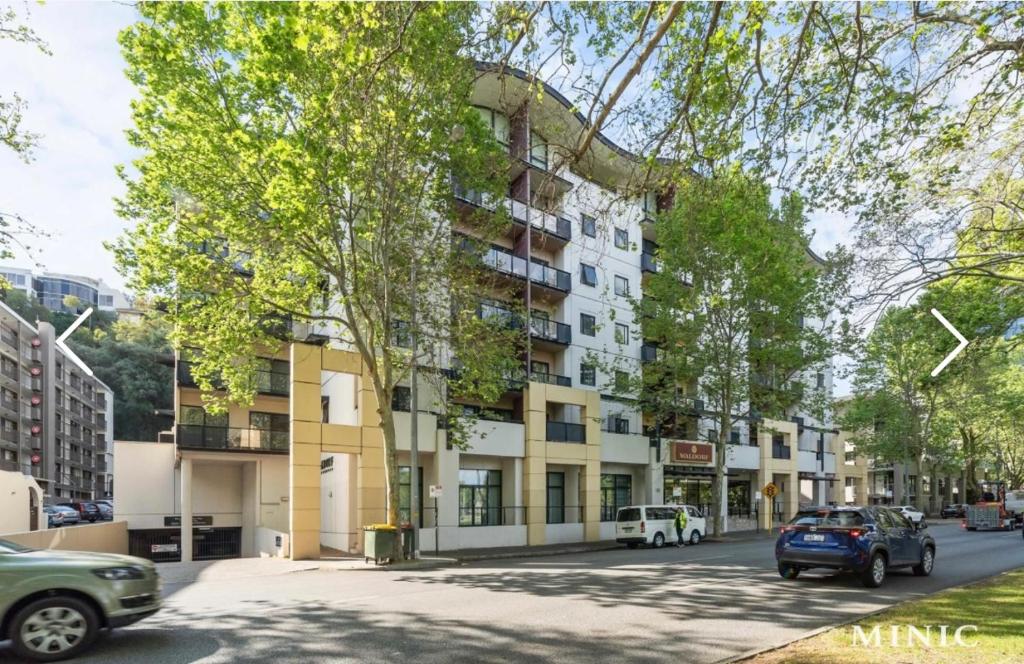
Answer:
(655, 525)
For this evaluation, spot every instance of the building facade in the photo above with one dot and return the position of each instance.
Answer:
(56, 418)
(301, 470)
(49, 289)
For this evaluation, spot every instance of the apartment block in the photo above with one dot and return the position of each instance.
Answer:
(50, 288)
(300, 472)
(56, 418)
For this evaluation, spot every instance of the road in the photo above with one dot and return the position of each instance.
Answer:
(698, 604)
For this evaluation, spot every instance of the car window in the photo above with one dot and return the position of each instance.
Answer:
(628, 514)
(692, 511)
(835, 518)
(900, 520)
(7, 546)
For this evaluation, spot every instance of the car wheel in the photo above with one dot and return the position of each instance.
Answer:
(788, 571)
(53, 628)
(659, 540)
(874, 575)
(631, 545)
(695, 537)
(924, 568)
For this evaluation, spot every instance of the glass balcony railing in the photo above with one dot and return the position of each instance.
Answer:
(566, 432)
(648, 263)
(550, 330)
(544, 275)
(240, 439)
(550, 379)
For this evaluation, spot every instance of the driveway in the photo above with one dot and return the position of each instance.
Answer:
(698, 604)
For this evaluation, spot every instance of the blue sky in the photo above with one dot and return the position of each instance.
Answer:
(79, 102)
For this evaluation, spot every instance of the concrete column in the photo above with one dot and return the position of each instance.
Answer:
(304, 461)
(517, 491)
(792, 494)
(186, 510)
(250, 507)
(535, 463)
(590, 474)
(654, 478)
(725, 502)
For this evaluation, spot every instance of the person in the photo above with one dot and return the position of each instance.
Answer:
(680, 526)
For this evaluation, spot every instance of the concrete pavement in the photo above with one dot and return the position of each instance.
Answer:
(697, 604)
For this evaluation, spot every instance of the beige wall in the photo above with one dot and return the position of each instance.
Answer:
(15, 490)
(146, 483)
(101, 537)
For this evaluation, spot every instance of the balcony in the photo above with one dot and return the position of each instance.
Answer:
(649, 353)
(268, 382)
(550, 331)
(9, 340)
(550, 379)
(233, 439)
(10, 465)
(555, 229)
(10, 435)
(558, 282)
(648, 263)
(9, 371)
(566, 432)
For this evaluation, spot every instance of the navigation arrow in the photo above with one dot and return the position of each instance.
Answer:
(956, 351)
(67, 333)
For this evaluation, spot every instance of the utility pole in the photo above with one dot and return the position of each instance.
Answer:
(414, 463)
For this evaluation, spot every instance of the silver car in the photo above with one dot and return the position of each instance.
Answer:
(53, 603)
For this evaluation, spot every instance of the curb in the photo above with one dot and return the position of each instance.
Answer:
(536, 554)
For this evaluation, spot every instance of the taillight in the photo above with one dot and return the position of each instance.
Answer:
(643, 527)
(856, 533)
(786, 529)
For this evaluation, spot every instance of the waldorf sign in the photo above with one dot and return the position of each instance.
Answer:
(684, 451)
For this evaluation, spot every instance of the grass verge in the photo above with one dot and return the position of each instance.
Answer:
(995, 606)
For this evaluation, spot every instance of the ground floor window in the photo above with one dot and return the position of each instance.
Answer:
(616, 492)
(694, 491)
(739, 498)
(405, 495)
(556, 498)
(480, 498)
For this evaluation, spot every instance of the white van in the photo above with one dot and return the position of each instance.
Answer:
(655, 525)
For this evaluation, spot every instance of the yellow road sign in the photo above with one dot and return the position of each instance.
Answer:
(770, 490)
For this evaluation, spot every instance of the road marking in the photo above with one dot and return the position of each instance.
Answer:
(956, 351)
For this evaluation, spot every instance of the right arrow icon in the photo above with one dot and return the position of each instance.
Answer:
(956, 351)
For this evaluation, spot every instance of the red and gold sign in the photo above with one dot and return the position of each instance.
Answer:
(684, 451)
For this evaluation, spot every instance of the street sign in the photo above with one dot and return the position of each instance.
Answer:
(163, 548)
(435, 490)
(677, 491)
(770, 490)
(757, 495)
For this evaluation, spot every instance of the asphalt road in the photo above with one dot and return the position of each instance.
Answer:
(698, 604)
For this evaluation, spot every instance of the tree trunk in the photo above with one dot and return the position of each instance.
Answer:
(387, 426)
(718, 488)
(934, 488)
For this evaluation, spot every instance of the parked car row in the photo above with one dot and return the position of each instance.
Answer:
(75, 512)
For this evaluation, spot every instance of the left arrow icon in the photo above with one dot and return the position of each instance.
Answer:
(956, 351)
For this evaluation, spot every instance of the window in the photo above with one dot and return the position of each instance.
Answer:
(538, 151)
(538, 367)
(616, 492)
(734, 437)
(479, 498)
(587, 324)
(589, 225)
(621, 381)
(621, 333)
(556, 497)
(621, 238)
(618, 424)
(271, 430)
(195, 415)
(401, 399)
(588, 274)
(621, 286)
(588, 374)
(405, 494)
(820, 377)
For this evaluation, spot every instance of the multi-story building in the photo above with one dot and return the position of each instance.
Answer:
(50, 289)
(56, 418)
(556, 456)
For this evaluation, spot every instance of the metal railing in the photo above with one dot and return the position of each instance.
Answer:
(566, 432)
(10, 464)
(550, 379)
(244, 439)
(507, 263)
(11, 436)
(648, 263)
(550, 330)
(267, 381)
(473, 515)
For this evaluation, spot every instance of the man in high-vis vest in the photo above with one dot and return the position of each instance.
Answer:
(680, 526)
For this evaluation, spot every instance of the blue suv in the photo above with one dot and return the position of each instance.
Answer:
(868, 541)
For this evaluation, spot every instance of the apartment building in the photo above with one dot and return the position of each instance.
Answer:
(301, 470)
(49, 289)
(56, 418)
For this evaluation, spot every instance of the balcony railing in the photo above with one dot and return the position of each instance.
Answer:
(649, 353)
(11, 371)
(648, 263)
(550, 330)
(499, 314)
(507, 263)
(201, 437)
(551, 224)
(9, 339)
(566, 432)
(11, 436)
(271, 382)
(550, 379)
(10, 464)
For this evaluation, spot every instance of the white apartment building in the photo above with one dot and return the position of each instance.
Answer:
(49, 289)
(301, 470)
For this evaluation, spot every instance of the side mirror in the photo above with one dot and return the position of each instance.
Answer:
(922, 525)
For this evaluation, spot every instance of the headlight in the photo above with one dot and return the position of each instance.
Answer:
(120, 573)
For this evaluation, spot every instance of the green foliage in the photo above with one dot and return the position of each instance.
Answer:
(298, 161)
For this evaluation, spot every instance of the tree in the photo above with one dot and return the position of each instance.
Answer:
(27, 308)
(298, 164)
(728, 306)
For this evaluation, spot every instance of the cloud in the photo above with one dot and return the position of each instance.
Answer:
(78, 100)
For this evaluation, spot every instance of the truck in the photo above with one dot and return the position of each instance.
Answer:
(992, 511)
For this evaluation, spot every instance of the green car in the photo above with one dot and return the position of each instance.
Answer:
(53, 603)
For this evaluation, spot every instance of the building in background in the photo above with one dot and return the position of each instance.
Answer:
(56, 418)
(50, 289)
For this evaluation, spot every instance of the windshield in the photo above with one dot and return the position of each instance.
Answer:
(837, 518)
(7, 546)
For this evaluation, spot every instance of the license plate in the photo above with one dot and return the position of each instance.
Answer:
(814, 538)
(628, 530)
